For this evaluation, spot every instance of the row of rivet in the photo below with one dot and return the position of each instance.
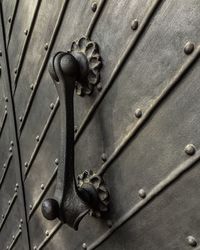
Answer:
(46, 46)
(4, 119)
(5, 167)
(16, 236)
(51, 107)
(10, 204)
(188, 49)
(40, 138)
(189, 149)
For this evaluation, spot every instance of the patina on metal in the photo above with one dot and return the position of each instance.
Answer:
(78, 68)
(136, 130)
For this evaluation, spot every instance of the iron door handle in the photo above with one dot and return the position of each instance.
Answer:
(73, 200)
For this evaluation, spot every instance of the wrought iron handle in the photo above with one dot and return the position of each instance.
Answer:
(72, 200)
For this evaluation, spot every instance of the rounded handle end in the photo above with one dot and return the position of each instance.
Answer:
(50, 209)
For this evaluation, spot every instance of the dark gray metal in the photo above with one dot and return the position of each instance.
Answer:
(138, 129)
(11, 188)
(80, 67)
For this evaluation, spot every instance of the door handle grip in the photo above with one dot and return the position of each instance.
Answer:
(73, 200)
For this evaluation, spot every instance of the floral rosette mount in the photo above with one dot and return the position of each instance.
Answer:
(90, 50)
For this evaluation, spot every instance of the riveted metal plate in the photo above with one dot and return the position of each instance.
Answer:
(11, 190)
(26, 10)
(140, 128)
(9, 11)
(37, 49)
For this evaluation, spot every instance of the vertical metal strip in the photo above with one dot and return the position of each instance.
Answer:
(13, 122)
(12, 22)
(25, 46)
(95, 19)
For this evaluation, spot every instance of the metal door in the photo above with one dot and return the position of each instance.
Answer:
(139, 128)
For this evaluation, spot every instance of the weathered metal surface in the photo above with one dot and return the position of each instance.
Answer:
(13, 226)
(139, 129)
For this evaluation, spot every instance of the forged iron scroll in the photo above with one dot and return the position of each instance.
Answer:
(79, 67)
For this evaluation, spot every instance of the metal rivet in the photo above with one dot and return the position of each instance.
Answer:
(17, 185)
(134, 24)
(51, 105)
(15, 71)
(189, 48)
(20, 118)
(37, 138)
(46, 46)
(31, 86)
(26, 32)
(0, 53)
(21, 221)
(142, 193)
(109, 223)
(6, 107)
(12, 143)
(13, 237)
(191, 241)
(47, 233)
(104, 157)
(34, 248)
(7, 247)
(30, 207)
(42, 186)
(6, 98)
(99, 86)
(2, 216)
(190, 149)
(20, 226)
(26, 164)
(56, 161)
(84, 246)
(75, 129)
(94, 6)
(4, 165)
(10, 149)
(9, 19)
(138, 113)
(15, 190)
(9, 202)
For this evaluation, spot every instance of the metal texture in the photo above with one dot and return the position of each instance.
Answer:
(11, 187)
(138, 128)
